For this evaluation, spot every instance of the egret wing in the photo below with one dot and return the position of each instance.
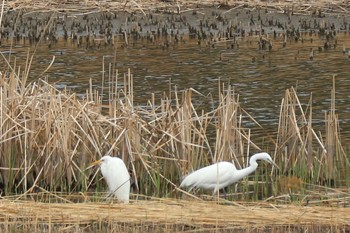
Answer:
(210, 177)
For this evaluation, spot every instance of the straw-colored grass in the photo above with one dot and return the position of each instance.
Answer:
(145, 6)
(302, 149)
(50, 136)
(172, 215)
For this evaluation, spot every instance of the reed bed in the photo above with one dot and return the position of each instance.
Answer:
(302, 149)
(49, 137)
(169, 215)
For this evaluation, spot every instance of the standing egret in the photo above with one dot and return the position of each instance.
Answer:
(222, 174)
(116, 175)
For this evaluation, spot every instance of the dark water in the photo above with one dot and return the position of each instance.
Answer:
(259, 77)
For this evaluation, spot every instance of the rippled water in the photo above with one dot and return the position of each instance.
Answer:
(260, 77)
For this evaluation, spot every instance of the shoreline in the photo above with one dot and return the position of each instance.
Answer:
(211, 22)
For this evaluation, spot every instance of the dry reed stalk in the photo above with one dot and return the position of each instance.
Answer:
(297, 141)
(335, 152)
(289, 136)
(183, 126)
(309, 138)
(331, 133)
(232, 139)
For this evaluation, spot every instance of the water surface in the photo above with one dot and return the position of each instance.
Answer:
(259, 77)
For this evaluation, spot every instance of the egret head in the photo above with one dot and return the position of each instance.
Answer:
(101, 161)
(266, 157)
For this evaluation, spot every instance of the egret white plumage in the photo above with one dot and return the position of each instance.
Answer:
(116, 175)
(222, 174)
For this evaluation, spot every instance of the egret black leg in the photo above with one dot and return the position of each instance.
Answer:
(224, 191)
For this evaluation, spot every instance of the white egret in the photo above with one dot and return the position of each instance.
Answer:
(222, 174)
(116, 175)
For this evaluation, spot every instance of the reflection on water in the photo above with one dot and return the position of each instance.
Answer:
(260, 77)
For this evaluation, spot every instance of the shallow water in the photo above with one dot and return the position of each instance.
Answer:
(260, 77)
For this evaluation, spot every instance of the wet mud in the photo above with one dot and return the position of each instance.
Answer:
(205, 24)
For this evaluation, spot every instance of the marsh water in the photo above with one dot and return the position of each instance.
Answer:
(259, 76)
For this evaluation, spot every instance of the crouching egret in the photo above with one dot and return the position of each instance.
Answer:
(116, 175)
(222, 174)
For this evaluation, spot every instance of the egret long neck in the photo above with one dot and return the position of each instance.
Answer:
(248, 170)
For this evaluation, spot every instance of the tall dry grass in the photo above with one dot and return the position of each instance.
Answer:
(49, 136)
(315, 155)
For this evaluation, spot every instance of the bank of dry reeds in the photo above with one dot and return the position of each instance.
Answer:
(169, 215)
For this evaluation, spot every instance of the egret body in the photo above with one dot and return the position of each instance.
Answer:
(222, 174)
(116, 175)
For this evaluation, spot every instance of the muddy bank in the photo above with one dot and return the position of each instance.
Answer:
(208, 22)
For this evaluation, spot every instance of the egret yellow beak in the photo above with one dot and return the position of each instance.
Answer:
(274, 164)
(97, 162)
